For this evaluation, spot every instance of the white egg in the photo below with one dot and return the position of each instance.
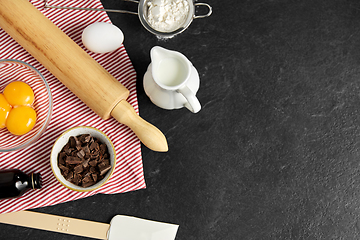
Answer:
(101, 37)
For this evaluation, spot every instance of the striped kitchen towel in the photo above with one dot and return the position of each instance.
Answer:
(69, 111)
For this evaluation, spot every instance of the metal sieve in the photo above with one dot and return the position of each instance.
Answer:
(143, 15)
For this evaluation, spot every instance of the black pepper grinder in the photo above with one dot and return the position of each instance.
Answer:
(14, 183)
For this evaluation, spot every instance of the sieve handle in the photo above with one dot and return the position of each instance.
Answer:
(206, 15)
(46, 5)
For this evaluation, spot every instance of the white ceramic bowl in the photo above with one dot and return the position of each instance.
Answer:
(61, 142)
(14, 70)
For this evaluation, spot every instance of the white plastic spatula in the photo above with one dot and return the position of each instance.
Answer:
(120, 228)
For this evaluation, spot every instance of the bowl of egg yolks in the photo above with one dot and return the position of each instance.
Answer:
(25, 105)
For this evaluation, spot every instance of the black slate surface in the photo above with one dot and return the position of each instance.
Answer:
(274, 152)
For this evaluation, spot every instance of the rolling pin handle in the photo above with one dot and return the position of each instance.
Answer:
(148, 134)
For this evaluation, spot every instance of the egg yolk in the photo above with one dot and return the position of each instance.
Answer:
(21, 120)
(5, 108)
(19, 94)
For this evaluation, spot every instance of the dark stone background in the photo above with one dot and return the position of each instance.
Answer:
(274, 152)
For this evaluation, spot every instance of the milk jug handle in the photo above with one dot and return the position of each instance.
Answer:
(192, 103)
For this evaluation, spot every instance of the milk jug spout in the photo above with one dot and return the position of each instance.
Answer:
(170, 69)
(158, 53)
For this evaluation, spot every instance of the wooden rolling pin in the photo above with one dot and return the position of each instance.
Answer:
(76, 69)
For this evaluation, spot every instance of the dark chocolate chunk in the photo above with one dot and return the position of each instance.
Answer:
(94, 146)
(67, 149)
(94, 176)
(93, 163)
(88, 184)
(73, 160)
(81, 154)
(77, 179)
(106, 161)
(95, 155)
(85, 163)
(69, 176)
(87, 179)
(63, 167)
(78, 168)
(62, 157)
(87, 137)
(86, 149)
(103, 168)
(72, 142)
(103, 148)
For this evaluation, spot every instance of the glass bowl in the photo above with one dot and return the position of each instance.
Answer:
(14, 70)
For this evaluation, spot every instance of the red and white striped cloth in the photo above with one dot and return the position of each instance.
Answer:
(69, 111)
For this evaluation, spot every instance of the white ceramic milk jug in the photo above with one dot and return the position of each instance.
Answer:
(171, 81)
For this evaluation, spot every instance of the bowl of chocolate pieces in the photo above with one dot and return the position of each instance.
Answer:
(83, 158)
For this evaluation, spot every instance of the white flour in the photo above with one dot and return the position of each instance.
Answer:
(167, 15)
